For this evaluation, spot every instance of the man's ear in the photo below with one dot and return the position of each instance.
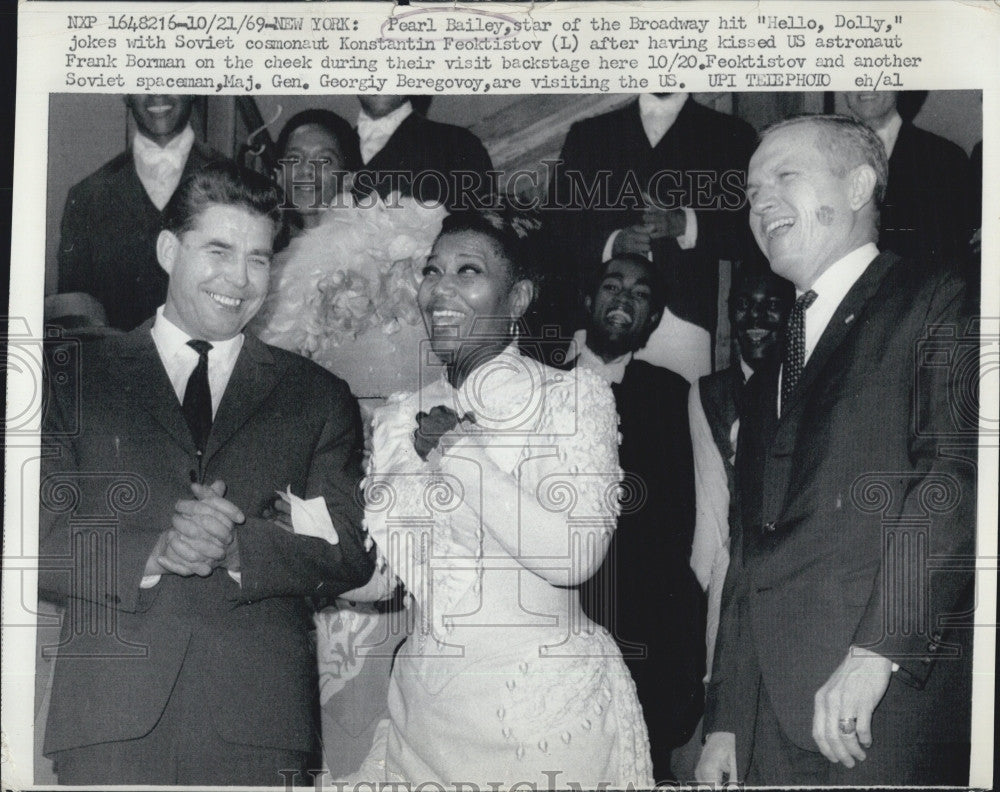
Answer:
(588, 302)
(862, 185)
(654, 320)
(167, 244)
(521, 295)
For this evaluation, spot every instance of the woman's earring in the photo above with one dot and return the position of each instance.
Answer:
(514, 328)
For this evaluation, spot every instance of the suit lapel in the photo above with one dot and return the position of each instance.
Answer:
(843, 321)
(254, 377)
(143, 378)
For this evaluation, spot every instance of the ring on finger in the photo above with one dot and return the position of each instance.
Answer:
(847, 725)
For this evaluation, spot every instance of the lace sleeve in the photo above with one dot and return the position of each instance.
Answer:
(581, 424)
(556, 510)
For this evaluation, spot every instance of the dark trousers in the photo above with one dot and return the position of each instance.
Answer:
(909, 749)
(182, 749)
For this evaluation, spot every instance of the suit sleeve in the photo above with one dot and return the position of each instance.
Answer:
(274, 562)
(100, 561)
(74, 254)
(723, 230)
(942, 491)
(576, 186)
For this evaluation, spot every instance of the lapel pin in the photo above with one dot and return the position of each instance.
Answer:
(849, 319)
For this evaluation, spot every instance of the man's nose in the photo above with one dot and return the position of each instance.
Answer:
(237, 271)
(762, 200)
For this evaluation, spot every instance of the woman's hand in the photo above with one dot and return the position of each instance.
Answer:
(432, 426)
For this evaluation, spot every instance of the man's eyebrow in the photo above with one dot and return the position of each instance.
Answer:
(217, 243)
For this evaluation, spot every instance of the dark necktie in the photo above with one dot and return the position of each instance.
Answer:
(795, 347)
(197, 403)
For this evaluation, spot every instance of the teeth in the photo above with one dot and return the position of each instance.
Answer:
(757, 334)
(774, 225)
(445, 314)
(229, 302)
(160, 108)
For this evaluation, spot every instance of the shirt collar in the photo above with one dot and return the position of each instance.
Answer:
(658, 114)
(177, 149)
(374, 133)
(171, 340)
(840, 276)
(611, 372)
(889, 132)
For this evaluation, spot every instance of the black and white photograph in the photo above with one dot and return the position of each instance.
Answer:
(454, 438)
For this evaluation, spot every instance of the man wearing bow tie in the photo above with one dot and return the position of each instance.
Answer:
(185, 656)
(112, 218)
(645, 592)
(844, 648)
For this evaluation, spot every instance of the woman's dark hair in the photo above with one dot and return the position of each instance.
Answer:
(225, 183)
(514, 233)
(331, 123)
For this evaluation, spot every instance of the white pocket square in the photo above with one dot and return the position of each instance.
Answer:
(310, 517)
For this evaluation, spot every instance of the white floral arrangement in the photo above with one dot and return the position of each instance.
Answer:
(355, 274)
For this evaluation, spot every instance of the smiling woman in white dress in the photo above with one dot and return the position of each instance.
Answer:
(491, 490)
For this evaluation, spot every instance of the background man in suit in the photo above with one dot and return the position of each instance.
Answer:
(824, 669)
(645, 592)
(112, 218)
(927, 213)
(185, 656)
(661, 176)
(759, 303)
(403, 150)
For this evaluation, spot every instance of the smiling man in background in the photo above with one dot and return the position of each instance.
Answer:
(112, 218)
(645, 593)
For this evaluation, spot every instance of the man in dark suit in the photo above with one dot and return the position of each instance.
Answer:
(405, 152)
(645, 592)
(927, 213)
(834, 662)
(185, 655)
(112, 218)
(661, 176)
(759, 303)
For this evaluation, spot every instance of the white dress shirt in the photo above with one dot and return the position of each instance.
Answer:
(374, 133)
(160, 167)
(611, 372)
(831, 288)
(180, 360)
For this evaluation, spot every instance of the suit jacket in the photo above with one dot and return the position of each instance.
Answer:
(118, 456)
(702, 160)
(645, 592)
(835, 495)
(420, 146)
(927, 213)
(108, 243)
